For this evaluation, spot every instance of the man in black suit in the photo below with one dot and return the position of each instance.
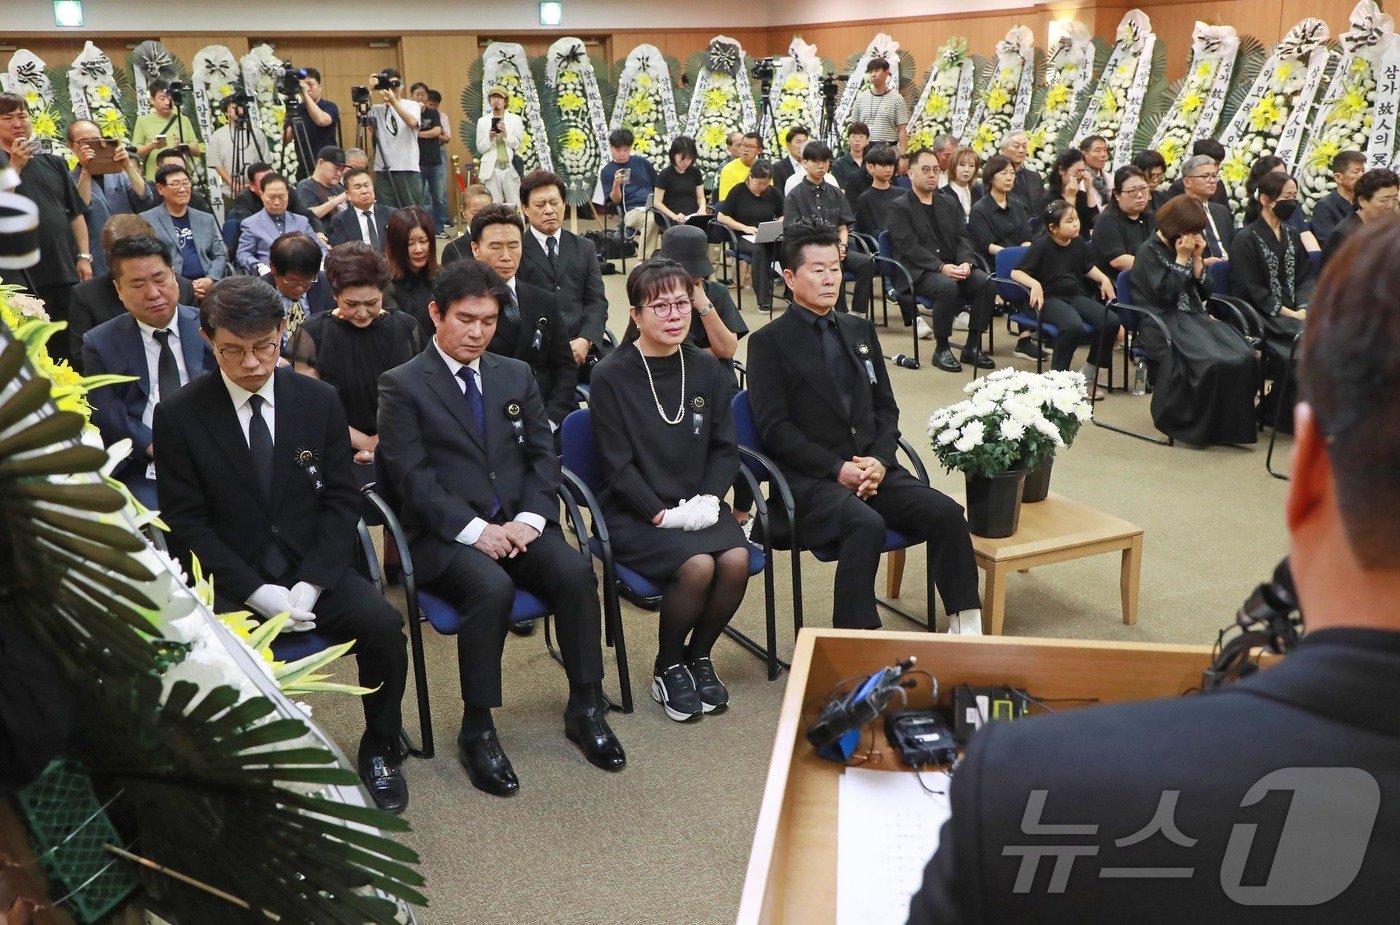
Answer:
(1029, 188)
(465, 445)
(1216, 152)
(1274, 799)
(930, 237)
(235, 451)
(156, 340)
(826, 415)
(529, 327)
(1201, 176)
(561, 262)
(95, 300)
(365, 220)
(474, 199)
(296, 274)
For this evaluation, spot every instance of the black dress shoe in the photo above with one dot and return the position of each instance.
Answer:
(979, 359)
(486, 763)
(944, 360)
(383, 779)
(523, 629)
(589, 731)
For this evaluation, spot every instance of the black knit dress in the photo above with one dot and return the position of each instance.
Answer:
(649, 465)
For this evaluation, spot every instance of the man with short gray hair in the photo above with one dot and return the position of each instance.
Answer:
(1029, 188)
(1201, 177)
(943, 148)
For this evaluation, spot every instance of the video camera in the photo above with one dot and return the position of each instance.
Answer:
(386, 81)
(176, 89)
(831, 83)
(289, 79)
(764, 69)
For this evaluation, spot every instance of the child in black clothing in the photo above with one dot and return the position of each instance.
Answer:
(1053, 273)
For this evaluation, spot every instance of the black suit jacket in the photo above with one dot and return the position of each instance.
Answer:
(1329, 704)
(539, 341)
(95, 300)
(1029, 189)
(210, 497)
(318, 298)
(802, 420)
(444, 470)
(1224, 223)
(577, 282)
(346, 225)
(921, 247)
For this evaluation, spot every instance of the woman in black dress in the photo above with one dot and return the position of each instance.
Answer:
(1059, 275)
(412, 255)
(660, 409)
(352, 345)
(1205, 383)
(1269, 265)
(1069, 180)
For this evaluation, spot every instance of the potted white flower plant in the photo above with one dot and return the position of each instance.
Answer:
(1064, 401)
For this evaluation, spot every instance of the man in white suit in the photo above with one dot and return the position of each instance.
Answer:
(498, 137)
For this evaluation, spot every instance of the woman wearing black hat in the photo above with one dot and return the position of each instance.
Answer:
(661, 421)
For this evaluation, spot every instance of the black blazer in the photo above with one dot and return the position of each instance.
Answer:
(1329, 704)
(116, 347)
(210, 497)
(802, 420)
(921, 247)
(95, 300)
(444, 470)
(346, 225)
(539, 341)
(318, 297)
(577, 283)
(1029, 189)
(1224, 223)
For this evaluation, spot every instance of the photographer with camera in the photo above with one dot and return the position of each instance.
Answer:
(394, 124)
(105, 168)
(235, 144)
(164, 126)
(498, 136)
(320, 120)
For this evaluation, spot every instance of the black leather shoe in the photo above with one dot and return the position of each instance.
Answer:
(589, 731)
(979, 359)
(523, 629)
(383, 779)
(945, 360)
(486, 763)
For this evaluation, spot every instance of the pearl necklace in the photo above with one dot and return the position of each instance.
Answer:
(680, 411)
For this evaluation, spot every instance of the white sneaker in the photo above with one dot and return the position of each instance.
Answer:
(965, 623)
(960, 323)
(922, 330)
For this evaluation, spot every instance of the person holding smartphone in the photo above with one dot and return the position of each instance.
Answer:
(498, 135)
(108, 180)
(161, 128)
(63, 234)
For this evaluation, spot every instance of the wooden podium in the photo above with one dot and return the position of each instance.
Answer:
(792, 867)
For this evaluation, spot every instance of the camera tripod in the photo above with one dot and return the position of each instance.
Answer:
(242, 134)
(301, 139)
(828, 130)
(767, 127)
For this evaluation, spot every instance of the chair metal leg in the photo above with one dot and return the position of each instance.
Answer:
(420, 669)
(1278, 413)
(612, 619)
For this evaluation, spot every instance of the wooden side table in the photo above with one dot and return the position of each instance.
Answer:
(1057, 529)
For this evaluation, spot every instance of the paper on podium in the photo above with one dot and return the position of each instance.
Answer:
(887, 829)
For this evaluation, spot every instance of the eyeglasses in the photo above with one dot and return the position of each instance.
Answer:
(1134, 190)
(1208, 177)
(175, 184)
(237, 354)
(667, 309)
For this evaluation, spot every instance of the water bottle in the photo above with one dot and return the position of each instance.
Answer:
(1140, 379)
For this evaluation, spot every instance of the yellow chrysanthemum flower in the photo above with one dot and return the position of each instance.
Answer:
(1283, 71)
(1191, 103)
(795, 83)
(717, 98)
(644, 80)
(791, 105)
(32, 99)
(1265, 114)
(1234, 171)
(45, 124)
(713, 136)
(937, 104)
(574, 140)
(1057, 97)
(997, 98)
(104, 92)
(1170, 149)
(571, 102)
(1322, 154)
(1205, 69)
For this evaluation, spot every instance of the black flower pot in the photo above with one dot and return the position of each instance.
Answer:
(1038, 482)
(994, 503)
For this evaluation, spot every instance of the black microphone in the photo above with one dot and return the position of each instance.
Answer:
(1272, 601)
(900, 359)
(1267, 621)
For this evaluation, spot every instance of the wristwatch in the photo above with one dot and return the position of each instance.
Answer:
(702, 312)
(87, 257)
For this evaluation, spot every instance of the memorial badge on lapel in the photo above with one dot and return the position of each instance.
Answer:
(513, 411)
(308, 462)
(698, 404)
(541, 327)
(863, 350)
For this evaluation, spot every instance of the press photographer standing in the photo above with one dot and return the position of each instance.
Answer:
(163, 127)
(320, 123)
(394, 123)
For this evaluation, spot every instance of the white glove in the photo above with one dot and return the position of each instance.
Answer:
(704, 511)
(675, 518)
(270, 600)
(302, 600)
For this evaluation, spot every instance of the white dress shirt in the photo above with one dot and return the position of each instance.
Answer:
(472, 531)
(244, 411)
(148, 340)
(363, 216)
(558, 237)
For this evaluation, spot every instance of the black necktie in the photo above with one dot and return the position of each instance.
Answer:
(553, 254)
(373, 231)
(167, 370)
(469, 380)
(513, 309)
(837, 365)
(260, 442)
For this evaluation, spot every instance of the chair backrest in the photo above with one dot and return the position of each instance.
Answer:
(383, 485)
(579, 455)
(1123, 288)
(885, 243)
(1220, 277)
(884, 248)
(1008, 258)
(746, 432)
(1316, 258)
